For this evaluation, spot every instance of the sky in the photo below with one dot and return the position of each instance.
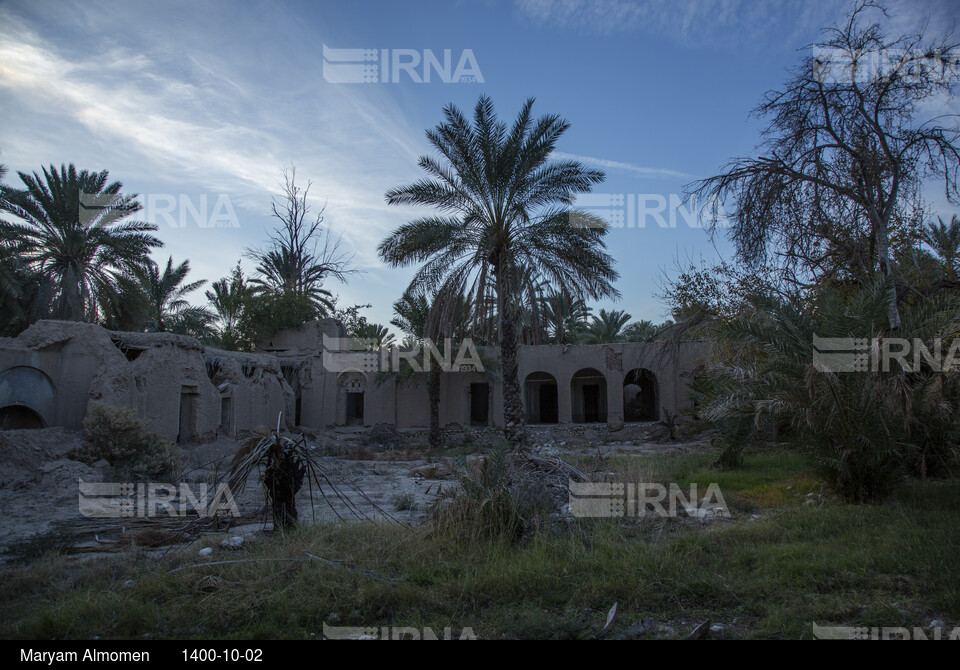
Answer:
(199, 106)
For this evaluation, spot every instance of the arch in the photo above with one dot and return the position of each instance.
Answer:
(19, 417)
(588, 396)
(641, 396)
(541, 397)
(27, 394)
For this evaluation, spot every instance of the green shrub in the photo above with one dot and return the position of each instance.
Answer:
(116, 434)
(487, 506)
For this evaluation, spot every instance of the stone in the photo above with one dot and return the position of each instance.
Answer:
(205, 552)
(640, 628)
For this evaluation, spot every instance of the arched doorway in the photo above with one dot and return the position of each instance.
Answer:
(588, 396)
(27, 398)
(641, 396)
(541, 398)
(19, 417)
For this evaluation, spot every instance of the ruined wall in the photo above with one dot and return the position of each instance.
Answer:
(165, 377)
(253, 390)
(187, 392)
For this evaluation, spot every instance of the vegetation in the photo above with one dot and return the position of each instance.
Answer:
(168, 308)
(830, 244)
(504, 225)
(74, 242)
(826, 562)
(848, 146)
(119, 436)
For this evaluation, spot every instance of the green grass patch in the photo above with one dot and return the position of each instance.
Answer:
(893, 564)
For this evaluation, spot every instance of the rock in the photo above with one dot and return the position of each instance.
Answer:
(234, 542)
(205, 552)
(431, 471)
(102, 464)
(717, 628)
(936, 623)
(639, 628)
(129, 584)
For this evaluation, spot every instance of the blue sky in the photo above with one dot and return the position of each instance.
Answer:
(208, 101)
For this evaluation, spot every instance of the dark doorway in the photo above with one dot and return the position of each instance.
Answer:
(541, 398)
(19, 417)
(479, 404)
(226, 415)
(549, 404)
(591, 403)
(588, 396)
(354, 409)
(641, 396)
(188, 415)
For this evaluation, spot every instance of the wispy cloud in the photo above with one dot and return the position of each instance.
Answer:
(619, 165)
(741, 23)
(198, 121)
(686, 21)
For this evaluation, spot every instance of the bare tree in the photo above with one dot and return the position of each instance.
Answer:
(302, 253)
(851, 140)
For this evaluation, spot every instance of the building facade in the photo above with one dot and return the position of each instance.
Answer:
(53, 371)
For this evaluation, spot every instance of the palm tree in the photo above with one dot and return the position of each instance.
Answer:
(944, 239)
(564, 318)
(17, 286)
(640, 331)
(282, 271)
(412, 315)
(504, 215)
(377, 335)
(228, 296)
(74, 233)
(606, 328)
(168, 309)
(301, 253)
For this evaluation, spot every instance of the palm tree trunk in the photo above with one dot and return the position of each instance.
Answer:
(514, 421)
(433, 390)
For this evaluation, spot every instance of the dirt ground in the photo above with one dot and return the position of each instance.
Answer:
(367, 474)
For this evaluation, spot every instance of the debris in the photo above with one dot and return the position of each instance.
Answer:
(611, 617)
(700, 631)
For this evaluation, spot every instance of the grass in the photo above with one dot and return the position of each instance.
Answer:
(831, 563)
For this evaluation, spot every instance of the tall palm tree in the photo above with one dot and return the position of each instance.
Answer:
(605, 328)
(75, 233)
(168, 309)
(503, 214)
